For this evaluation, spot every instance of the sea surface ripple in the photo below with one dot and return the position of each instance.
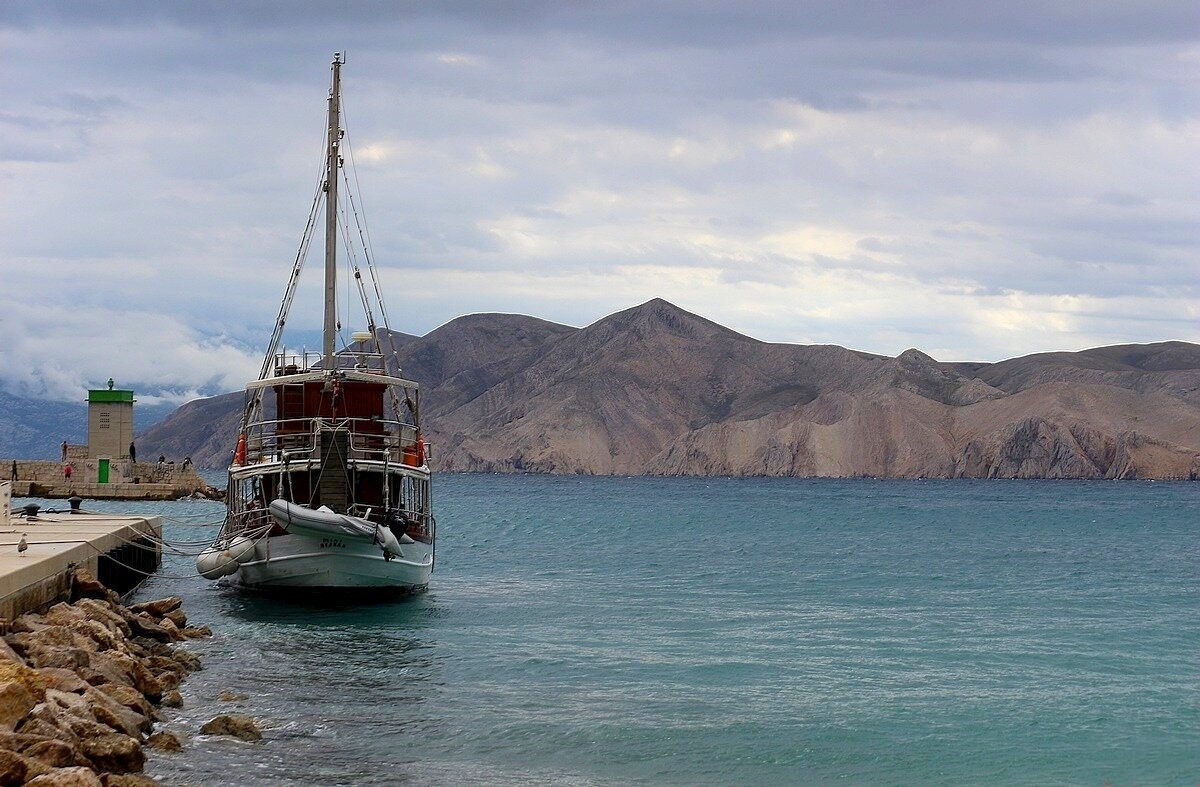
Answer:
(716, 631)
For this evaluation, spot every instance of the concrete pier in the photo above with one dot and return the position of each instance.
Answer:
(119, 550)
(120, 480)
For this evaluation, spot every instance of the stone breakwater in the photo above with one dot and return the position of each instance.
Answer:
(82, 684)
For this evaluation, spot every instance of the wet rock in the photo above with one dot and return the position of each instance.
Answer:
(142, 625)
(127, 780)
(171, 628)
(77, 776)
(115, 753)
(15, 703)
(165, 741)
(196, 632)
(177, 617)
(159, 607)
(189, 661)
(168, 679)
(233, 725)
(172, 699)
(230, 696)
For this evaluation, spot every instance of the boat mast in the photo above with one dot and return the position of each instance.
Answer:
(331, 180)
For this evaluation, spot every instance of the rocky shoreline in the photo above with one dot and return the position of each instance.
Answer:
(82, 685)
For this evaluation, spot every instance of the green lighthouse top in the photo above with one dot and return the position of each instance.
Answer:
(109, 395)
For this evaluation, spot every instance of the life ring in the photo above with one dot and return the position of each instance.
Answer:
(239, 455)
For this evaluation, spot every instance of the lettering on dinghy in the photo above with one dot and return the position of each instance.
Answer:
(332, 543)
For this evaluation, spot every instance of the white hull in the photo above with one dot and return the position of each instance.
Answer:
(299, 561)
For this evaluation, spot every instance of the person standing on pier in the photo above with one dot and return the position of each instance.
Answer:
(14, 471)
(67, 471)
(132, 453)
(64, 450)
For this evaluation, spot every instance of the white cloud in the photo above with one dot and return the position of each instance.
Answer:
(973, 184)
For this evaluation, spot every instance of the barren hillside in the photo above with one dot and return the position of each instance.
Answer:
(656, 389)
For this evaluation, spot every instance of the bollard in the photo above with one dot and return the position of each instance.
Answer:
(75, 501)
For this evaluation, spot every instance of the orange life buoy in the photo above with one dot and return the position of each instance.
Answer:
(239, 456)
(420, 450)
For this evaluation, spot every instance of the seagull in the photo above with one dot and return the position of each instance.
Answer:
(22, 545)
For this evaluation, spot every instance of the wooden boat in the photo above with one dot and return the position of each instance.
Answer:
(330, 482)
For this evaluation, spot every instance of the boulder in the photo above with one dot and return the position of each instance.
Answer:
(168, 679)
(230, 696)
(112, 713)
(196, 632)
(30, 621)
(13, 769)
(98, 633)
(71, 658)
(8, 654)
(63, 679)
(177, 617)
(40, 728)
(63, 615)
(75, 704)
(74, 725)
(77, 776)
(84, 585)
(165, 741)
(189, 661)
(142, 625)
(15, 703)
(159, 607)
(20, 741)
(171, 628)
(55, 753)
(128, 696)
(114, 752)
(30, 678)
(172, 699)
(127, 780)
(234, 725)
(112, 666)
(105, 614)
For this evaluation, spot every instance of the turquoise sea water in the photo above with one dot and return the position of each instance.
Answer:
(716, 631)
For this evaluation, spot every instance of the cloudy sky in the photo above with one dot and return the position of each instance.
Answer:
(978, 180)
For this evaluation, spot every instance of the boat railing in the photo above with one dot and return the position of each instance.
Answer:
(249, 520)
(300, 438)
(357, 359)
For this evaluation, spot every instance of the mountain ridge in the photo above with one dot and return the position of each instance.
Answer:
(655, 389)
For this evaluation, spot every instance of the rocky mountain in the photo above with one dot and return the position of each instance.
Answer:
(32, 428)
(655, 389)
